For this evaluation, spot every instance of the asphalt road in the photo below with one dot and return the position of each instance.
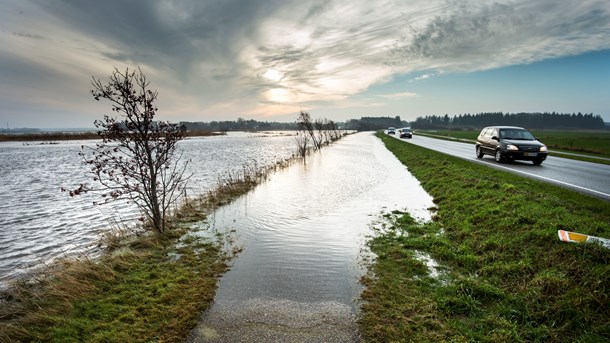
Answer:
(584, 177)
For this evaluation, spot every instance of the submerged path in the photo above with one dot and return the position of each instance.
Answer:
(303, 232)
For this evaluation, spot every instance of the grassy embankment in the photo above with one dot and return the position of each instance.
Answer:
(504, 275)
(145, 288)
(594, 143)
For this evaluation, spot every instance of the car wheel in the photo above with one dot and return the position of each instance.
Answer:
(479, 152)
(537, 161)
(499, 157)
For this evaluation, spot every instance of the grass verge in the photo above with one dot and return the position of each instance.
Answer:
(503, 274)
(150, 291)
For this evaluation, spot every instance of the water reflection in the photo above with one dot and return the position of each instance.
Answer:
(303, 231)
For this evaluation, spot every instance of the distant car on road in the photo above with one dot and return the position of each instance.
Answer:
(391, 130)
(405, 132)
(510, 143)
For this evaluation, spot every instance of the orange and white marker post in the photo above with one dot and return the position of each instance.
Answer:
(574, 237)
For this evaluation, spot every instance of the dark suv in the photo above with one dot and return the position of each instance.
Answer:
(405, 133)
(510, 143)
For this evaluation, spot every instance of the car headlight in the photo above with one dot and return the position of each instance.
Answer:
(543, 149)
(512, 147)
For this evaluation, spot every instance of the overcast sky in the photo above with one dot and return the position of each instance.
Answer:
(269, 59)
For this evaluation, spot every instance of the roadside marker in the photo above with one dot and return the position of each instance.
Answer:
(574, 237)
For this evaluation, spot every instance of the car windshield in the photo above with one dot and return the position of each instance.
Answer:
(516, 134)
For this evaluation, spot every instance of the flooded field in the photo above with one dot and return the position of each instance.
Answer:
(38, 222)
(302, 233)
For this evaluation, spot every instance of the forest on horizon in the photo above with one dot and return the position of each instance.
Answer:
(538, 121)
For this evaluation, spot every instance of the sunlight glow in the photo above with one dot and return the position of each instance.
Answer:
(280, 95)
(273, 75)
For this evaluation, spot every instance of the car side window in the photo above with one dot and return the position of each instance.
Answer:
(494, 132)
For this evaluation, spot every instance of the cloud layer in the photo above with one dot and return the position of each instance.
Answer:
(217, 58)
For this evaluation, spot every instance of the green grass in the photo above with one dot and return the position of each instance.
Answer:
(505, 276)
(593, 143)
(155, 290)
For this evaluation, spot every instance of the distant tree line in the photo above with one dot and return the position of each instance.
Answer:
(375, 123)
(553, 120)
(20, 130)
(237, 125)
(546, 120)
(362, 124)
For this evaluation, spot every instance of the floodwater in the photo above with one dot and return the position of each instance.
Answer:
(39, 223)
(303, 232)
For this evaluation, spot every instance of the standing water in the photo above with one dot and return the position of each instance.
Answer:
(302, 233)
(39, 223)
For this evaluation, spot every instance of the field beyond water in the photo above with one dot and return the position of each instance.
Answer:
(489, 267)
(52, 137)
(594, 143)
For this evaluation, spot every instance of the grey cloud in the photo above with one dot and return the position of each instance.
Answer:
(315, 10)
(284, 54)
(472, 38)
(28, 35)
(177, 34)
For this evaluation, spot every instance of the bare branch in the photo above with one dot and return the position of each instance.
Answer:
(136, 157)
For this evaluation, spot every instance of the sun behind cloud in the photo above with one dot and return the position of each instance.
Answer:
(215, 59)
(273, 75)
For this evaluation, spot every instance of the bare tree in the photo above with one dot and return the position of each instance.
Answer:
(320, 128)
(334, 132)
(304, 126)
(307, 126)
(137, 157)
(319, 133)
